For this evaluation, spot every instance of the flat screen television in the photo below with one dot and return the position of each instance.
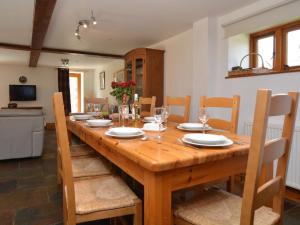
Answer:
(22, 92)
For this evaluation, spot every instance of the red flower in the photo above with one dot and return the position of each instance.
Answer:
(113, 84)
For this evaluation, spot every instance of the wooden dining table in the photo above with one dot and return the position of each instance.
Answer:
(168, 166)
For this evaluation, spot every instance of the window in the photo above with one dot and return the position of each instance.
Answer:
(279, 47)
(265, 47)
(293, 48)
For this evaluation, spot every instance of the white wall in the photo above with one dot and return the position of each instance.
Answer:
(45, 79)
(246, 87)
(109, 69)
(178, 63)
(197, 62)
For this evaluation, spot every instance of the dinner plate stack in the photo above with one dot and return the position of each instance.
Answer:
(208, 140)
(124, 132)
(193, 127)
(99, 123)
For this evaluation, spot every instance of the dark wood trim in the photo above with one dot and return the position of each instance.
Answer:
(69, 51)
(15, 46)
(50, 126)
(262, 74)
(60, 51)
(42, 16)
(292, 194)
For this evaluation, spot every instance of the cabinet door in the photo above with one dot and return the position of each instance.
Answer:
(128, 69)
(139, 71)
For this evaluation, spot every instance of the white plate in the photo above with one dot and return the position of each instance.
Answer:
(205, 138)
(149, 119)
(193, 129)
(125, 130)
(106, 125)
(82, 117)
(192, 125)
(228, 142)
(108, 133)
(99, 122)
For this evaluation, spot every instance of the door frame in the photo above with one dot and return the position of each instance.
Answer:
(78, 76)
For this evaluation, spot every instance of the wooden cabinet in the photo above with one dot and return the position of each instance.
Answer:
(146, 67)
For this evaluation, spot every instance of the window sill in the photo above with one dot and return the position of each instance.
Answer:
(241, 75)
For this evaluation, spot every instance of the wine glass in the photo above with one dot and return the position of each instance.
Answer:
(159, 117)
(203, 117)
(167, 113)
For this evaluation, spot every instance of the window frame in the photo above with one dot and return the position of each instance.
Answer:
(288, 28)
(280, 49)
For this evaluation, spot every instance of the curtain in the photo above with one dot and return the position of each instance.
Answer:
(64, 87)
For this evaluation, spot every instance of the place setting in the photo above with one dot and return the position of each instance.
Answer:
(96, 123)
(206, 140)
(197, 127)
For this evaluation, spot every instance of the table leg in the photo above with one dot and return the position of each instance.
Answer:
(157, 199)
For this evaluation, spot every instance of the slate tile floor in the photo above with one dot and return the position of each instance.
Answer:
(29, 194)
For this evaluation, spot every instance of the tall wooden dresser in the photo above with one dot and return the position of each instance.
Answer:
(146, 67)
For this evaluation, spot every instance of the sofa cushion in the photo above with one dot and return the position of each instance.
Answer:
(20, 112)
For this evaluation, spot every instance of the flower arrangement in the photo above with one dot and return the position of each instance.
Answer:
(123, 91)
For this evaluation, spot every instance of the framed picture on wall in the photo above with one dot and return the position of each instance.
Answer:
(102, 80)
(118, 76)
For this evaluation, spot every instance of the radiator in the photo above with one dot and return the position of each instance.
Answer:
(293, 173)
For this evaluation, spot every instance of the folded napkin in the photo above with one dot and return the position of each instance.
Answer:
(153, 127)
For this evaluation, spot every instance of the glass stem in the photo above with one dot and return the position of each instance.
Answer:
(159, 136)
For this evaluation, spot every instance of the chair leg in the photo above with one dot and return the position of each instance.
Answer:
(137, 217)
(230, 184)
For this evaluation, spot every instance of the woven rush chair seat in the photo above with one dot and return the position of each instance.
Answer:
(103, 193)
(217, 207)
(81, 150)
(89, 166)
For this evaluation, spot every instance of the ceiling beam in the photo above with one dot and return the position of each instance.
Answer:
(78, 52)
(60, 51)
(42, 15)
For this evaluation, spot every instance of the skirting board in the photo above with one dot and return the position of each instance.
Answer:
(50, 126)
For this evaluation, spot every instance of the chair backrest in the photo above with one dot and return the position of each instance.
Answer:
(63, 145)
(262, 188)
(179, 101)
(102, 102)
(147, 102)
(221, 102)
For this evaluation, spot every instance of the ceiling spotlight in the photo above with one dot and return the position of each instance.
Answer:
(65, 62)
(93, 19)
(85, 24)
(77, 32)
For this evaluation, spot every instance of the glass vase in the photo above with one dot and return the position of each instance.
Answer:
(123, 114)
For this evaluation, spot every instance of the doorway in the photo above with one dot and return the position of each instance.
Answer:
(75, 92)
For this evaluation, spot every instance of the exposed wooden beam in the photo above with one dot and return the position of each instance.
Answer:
(60, 51)
(42, 15)
(15, 46)
(68, 51)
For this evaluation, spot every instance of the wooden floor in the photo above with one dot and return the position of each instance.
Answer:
(29, 194)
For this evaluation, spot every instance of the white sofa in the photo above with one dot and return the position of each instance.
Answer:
(21, 133)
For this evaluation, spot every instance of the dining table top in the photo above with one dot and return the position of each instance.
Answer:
(170, 153)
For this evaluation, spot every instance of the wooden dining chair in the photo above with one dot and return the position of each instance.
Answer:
(147, 103)
(102, 102)
(222, 102)
(261, 186)
(95, 198)
(184, 102)
(220, 124)
(85, 161)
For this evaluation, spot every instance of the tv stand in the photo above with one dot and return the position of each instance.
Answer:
(25, 107)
